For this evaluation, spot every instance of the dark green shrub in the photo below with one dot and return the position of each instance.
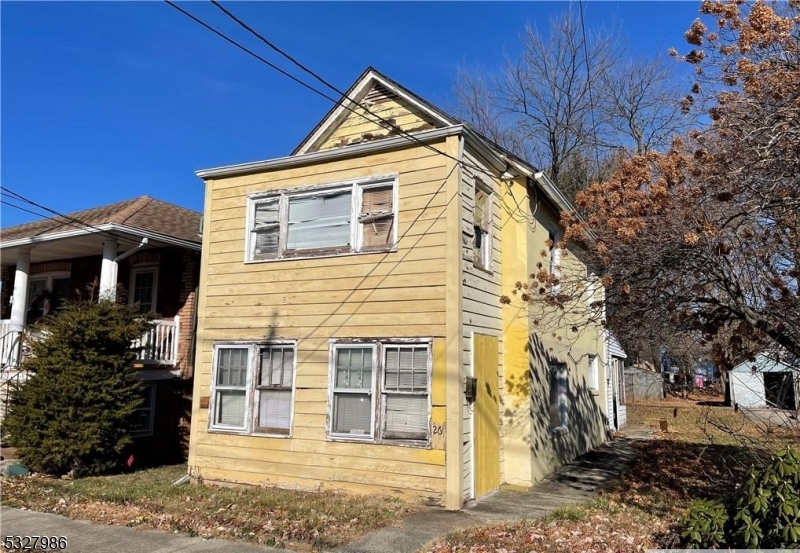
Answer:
(74, 411)
(764, 512)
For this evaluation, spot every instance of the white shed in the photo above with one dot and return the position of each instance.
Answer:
(615, 382)
(765, 383)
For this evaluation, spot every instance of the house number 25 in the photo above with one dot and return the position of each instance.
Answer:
(438, 429)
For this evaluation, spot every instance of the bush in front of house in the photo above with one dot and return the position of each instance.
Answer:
(74, 411)
(763, 512)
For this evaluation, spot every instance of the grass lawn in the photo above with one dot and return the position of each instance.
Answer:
(695, 459)
(268, 516)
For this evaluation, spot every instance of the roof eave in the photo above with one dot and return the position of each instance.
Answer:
(97, 229)
(328, 155)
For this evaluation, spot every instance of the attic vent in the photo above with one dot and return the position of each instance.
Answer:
(379, 94)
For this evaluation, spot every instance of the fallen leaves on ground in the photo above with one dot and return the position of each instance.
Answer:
(268, 516)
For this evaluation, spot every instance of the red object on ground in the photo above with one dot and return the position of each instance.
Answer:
(131, 460)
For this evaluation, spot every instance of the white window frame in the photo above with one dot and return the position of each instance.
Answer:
(143, 269)
(593, 362)
(485, 255)
(333, 391)
(250, 426)
(355, 186)
(152, 410)
(562, 399)
(48, 279)
(378, 404)
(555, 258)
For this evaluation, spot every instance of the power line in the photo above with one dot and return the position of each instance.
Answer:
(68, 219)
(343, 95)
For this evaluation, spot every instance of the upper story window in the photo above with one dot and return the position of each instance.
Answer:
(143, 288)
(482, 222)
(350, 217)
(555, 259)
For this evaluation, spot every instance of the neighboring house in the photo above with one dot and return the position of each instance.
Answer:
(350, 330)
(149, 247)
(617, 384)
(764, 383)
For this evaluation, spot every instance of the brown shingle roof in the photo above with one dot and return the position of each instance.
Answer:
(143, 213)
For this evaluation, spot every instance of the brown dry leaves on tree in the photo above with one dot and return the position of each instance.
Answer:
(705, 237)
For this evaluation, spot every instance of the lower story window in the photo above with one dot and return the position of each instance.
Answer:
(144, 414)
(380, 391)
(253, 388)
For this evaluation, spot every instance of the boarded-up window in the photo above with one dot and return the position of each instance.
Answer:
(319, 221)
(343, 218)
(352, 391)
(266, 228)
(482, 223)
(405, 392)
(274, 388)
(559, 389)
(376, 219)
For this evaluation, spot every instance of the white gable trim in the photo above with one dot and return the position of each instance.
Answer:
(358, 93)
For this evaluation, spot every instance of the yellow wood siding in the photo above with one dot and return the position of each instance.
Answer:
(377, 295)
(487, 415)
(360, 126)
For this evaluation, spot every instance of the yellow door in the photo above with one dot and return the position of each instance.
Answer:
(487, 415)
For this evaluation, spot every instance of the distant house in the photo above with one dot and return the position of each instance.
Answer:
(765, 383)
(350, 329)
(149, 247)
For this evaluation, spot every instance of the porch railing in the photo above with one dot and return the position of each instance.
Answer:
(159, 345)
(10, 345)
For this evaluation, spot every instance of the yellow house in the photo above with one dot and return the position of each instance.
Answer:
(350, 332)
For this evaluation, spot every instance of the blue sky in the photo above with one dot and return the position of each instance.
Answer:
(103, 101)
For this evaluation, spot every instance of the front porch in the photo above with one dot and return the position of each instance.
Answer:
(157, 347)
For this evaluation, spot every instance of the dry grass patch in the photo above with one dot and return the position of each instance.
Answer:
(267, 516)
(642, 509)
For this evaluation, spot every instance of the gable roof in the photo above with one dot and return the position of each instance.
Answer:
(143, 213)
(370, 82)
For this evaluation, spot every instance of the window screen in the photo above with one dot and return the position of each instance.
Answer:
(482, 222)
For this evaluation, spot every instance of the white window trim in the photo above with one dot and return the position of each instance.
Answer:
(384, 392)
(250, 418)
(563, 402)
(594, 372)
(486, 264)
(378, 410)
(149, 430)
(355, 185)
(332, 391)
(48, 278)
(555, 258)
(141, 269)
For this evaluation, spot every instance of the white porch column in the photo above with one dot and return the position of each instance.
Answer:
(108, 271)
(19, 301)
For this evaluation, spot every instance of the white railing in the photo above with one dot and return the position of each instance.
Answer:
(160, 344)
(9, 345)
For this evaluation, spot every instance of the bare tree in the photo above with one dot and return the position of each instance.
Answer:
(571, 100)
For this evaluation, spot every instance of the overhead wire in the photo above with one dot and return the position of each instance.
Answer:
(340, 102)
(67, 219)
